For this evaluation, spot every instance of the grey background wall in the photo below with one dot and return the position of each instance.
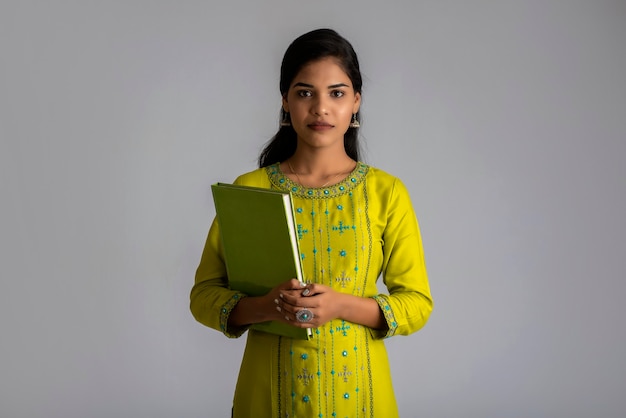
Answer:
(506, 120)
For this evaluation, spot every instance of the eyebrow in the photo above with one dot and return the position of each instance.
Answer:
(310, 86)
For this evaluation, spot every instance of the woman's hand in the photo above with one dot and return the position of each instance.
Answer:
(310, 306)
(273, 299)
(255, 309)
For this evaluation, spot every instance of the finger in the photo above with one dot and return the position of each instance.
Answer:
(285, 309)
(282, 313)
(313, 289)
(296, 284)
(290, 297)
(277, 304)
(312, 321)
(305, 318)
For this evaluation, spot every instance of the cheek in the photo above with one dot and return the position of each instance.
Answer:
(295, 111)
(346, 114)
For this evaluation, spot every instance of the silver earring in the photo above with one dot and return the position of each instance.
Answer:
(286, 121)
(355, 122)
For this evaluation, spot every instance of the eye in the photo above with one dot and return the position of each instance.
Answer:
(304, 93)
(337, 93)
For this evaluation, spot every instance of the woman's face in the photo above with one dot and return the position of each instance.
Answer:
(321, 101)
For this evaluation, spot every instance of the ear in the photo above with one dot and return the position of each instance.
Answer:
(285, 104)
(357, 103)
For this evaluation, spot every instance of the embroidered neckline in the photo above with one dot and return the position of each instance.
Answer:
(282, 182)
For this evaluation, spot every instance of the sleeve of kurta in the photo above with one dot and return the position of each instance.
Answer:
(409, 303)
(211, 299)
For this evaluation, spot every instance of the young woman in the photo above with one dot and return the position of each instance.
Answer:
(355, 222)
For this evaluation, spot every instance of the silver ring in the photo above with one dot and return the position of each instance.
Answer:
(304, 315)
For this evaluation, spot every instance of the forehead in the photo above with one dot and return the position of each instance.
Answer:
(323, 72)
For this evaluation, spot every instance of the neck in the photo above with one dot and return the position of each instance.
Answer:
(318, 171)
(321, 163)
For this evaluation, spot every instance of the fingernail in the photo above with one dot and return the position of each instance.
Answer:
(276, 301)
(281, 295)
(286, 317)
(306, 292)
(278, 309)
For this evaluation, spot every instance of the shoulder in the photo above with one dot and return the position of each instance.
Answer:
(256, 178)
(384, 181)
(380, 175)
(389, 193)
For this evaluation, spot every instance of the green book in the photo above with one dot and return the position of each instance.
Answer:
(260, 241)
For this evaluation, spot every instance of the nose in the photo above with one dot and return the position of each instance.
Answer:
(320, 106)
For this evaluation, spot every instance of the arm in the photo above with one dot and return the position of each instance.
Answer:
(216, 306)
(211, 301)
(409, 303)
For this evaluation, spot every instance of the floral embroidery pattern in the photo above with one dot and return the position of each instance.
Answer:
(280, 181)
(383, 302)
(225, 313)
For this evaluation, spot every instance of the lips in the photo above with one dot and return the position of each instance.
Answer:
(320, 125)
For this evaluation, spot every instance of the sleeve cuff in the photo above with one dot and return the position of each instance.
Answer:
(390, 319)
(225, 310)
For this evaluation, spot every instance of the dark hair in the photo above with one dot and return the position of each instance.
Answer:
(312, 46)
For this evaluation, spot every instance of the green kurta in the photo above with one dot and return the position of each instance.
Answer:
(349, 233)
